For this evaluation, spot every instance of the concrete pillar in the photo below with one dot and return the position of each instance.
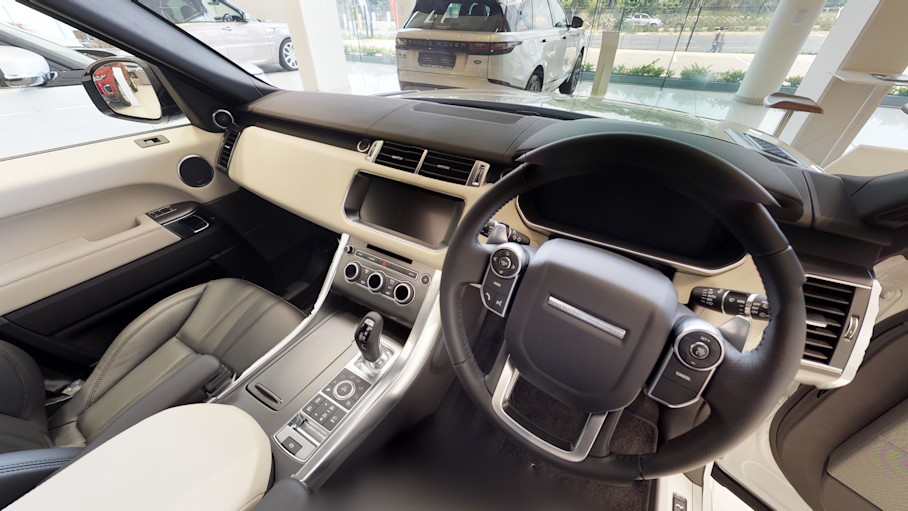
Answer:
(869, 36)
(403, 9)
(785, 36)
(316, 34)
(607, 52)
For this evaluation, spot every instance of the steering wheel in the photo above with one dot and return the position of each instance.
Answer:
(593, 329)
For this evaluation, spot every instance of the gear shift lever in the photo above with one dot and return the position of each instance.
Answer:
(368, 336)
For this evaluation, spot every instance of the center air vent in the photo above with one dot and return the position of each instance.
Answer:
(230, 138)
(828, 321)
(433, 164)
(399, 156)
(446, 167)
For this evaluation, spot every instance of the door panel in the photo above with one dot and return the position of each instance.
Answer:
(69, 215)
(78, 214)
(48, 271)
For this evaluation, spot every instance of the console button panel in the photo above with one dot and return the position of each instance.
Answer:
(333, 403)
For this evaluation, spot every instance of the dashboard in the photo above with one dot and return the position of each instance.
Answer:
(398, 174)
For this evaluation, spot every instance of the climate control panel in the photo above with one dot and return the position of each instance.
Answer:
(384, 281)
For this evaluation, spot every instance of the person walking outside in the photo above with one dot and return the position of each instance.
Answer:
(718, 41)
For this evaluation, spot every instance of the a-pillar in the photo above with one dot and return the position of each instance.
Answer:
(785, 36)
(402, 11)
(316, 34)
(869, 36)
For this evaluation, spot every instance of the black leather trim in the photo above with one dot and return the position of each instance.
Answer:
(23, 470)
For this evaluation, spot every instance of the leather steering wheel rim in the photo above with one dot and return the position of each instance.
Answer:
(746, 386)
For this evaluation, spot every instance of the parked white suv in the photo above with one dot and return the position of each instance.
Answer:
(642, 18)
(483, 44)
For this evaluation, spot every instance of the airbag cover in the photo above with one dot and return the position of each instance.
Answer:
(587, 325)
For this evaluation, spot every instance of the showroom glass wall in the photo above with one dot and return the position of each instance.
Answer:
(663, 44)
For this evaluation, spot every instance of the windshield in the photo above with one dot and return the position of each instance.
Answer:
(708, 62)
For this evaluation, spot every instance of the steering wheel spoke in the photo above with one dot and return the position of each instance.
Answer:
(499, 284)
(574, 451)
(689, 364)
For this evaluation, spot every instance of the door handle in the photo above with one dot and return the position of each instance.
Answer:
(564, 37)
(543, 40)
(227, 28)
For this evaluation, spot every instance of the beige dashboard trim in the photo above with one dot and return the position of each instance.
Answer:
(312, 179)
(38, 275)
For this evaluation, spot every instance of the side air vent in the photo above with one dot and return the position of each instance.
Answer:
(230, 138)
(828, 321)
(399, 156)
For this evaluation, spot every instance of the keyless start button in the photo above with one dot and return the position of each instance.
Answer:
(699, 350)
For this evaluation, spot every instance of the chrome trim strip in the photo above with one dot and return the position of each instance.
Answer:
(584, 443)
(839, 281)
(587, 318)
(422, 159)
(687, 268)
(387, 392)
(322, 295)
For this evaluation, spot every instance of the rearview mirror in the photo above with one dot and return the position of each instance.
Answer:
(577, 22)
(23, 68)
(127, 88)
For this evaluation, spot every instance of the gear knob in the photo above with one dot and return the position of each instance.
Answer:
(368, 336)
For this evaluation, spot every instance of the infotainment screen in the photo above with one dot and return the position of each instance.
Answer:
(423, 215)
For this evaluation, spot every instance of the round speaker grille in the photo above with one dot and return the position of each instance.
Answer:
(195, 171)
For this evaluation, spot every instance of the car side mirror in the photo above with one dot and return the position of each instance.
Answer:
(23, 68)
(127, 88)
(577, 22)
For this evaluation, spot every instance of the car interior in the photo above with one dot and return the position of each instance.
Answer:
(307, 300)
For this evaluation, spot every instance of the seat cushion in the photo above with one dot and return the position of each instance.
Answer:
(233, 320)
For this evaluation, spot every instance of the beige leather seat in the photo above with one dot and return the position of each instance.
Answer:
(165, 357)
(195, 457)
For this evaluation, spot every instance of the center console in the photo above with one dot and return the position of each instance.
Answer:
(332, 381)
